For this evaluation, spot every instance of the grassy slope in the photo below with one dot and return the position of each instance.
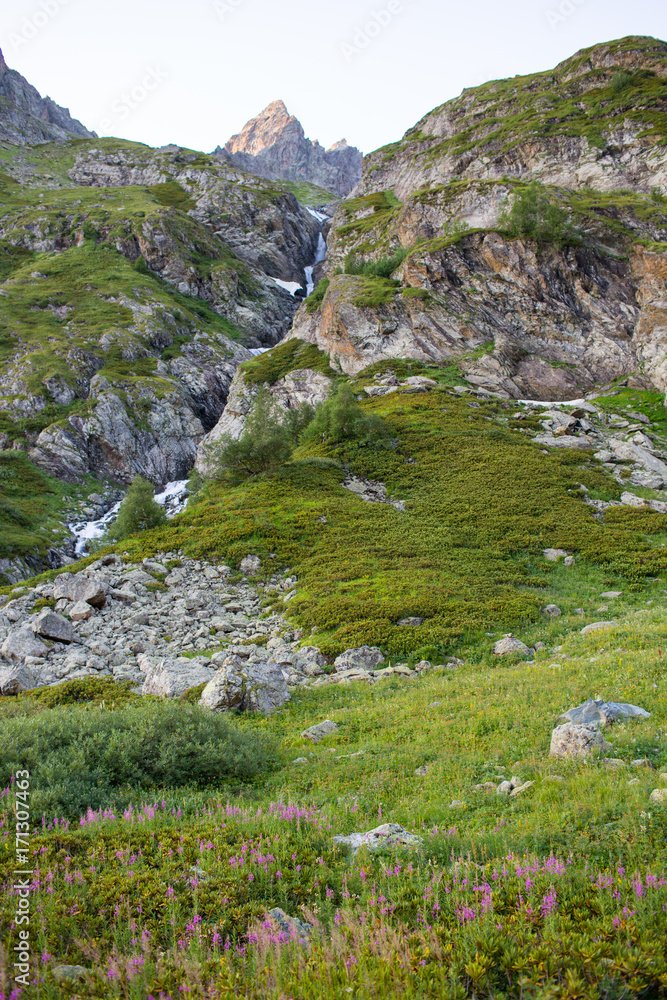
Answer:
(590, 841)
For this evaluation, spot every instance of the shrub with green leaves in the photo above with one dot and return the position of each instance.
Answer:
(266, 442)
(534, 215)
(81, 757)
(382, 268)
(138, 511)
(341, 418)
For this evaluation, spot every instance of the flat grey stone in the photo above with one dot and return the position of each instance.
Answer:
(570, 740)
(360, 658)
(596, 627)
(509, 645)
(598, 712)
(388, 835)
(318, 732)
(16, 678)
(22, 642)
(52, 626)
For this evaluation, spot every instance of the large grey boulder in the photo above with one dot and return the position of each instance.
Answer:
(170, 678)
(387, 835)
(594, 711)
(293, 928)
(318, 732)
(81, 611)
(509, 645)
(77, 587)
(596, 627)
(52, 626)
(360, 658)
(22, 642)
(16, 678)
(246, 686)
(570, 740)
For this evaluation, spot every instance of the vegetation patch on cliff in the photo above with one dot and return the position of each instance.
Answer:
(291, 355)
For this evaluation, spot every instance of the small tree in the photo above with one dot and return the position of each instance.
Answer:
(138, 511)
(341, 418)
(535, 216)
(265, 444)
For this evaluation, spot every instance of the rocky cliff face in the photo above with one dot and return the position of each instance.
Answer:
(26, 117)
(274, 145)
(434, 274)
(134, 281)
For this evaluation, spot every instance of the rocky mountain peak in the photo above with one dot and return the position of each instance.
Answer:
(27, 117)
(274, 145)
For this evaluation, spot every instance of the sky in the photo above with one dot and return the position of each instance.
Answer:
(192, 72)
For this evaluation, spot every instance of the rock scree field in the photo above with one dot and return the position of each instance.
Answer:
(380, 712)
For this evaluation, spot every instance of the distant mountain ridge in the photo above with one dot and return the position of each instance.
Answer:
(27, 117)
(274, 145)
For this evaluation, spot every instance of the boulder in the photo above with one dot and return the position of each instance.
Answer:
(81, 611)
(553, 555)
(596, 627)
(250, 565)
(16, 678)
(570, 740)
(77, 587)
(508, 645)
(169, 678)
(52, 626)
(246, 686)
(611, 594)
(387, 835)
(361, 658)
(317, 733)
(292, 927)
(552, 611)
(22, 642)
(658, 797)
(601, 713)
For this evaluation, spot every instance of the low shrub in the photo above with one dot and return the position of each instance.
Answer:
(534, 215)
(266, 442)
(82, 757)
(138, 511)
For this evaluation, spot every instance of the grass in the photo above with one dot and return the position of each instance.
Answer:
(171, 891)
(575, 102)
(291, 355)
(174, 893)
(481, 500)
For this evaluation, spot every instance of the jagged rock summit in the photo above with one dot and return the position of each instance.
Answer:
(274, 145)
(27, 117)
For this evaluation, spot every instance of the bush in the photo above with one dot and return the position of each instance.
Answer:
(81, 757)
(83, 689)
(265, 444)
(620, 81)
(341, 418)
(383, 268)
(533, 215)
(138, 511)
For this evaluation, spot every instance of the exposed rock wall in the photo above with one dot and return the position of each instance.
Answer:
(545, 320)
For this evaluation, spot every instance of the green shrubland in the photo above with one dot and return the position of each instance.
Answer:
(82, 757)
(481, 502)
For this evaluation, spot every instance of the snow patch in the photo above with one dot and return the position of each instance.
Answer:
(289, 286)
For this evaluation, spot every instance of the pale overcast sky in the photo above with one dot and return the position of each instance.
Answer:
(194, 72)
